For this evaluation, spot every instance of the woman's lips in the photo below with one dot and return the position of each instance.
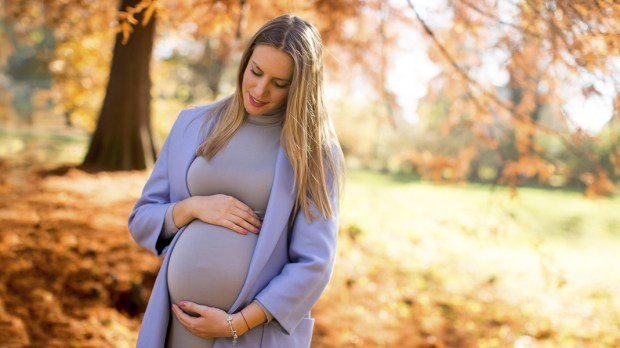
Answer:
(256, 103)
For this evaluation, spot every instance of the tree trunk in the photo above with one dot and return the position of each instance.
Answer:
(123, 138)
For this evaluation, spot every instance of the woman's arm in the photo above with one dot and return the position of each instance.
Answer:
(212, 322)
(147, 218)
(290, 295)
(222, 210)
(253, 315)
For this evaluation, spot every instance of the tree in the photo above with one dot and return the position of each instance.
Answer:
(123, 139)
(549, 51)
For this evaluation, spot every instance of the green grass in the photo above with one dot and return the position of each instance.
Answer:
(399, 206)
(43, 146)
(552, 251)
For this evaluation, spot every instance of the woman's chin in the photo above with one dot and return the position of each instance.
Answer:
(255, 111)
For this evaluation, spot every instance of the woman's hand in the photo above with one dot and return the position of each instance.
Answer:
(211, 321)
(226, 211)
(221, 210)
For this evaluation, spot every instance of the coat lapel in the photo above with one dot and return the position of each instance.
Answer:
(189, 142)
(281, 200)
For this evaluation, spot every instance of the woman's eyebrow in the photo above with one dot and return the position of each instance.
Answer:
(254, 65)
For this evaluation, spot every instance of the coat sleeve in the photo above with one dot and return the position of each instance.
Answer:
(312, 251)
(147, 218)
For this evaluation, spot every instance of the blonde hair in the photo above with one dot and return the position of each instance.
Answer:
(308, 137)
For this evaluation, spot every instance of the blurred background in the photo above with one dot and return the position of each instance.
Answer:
(481, 140)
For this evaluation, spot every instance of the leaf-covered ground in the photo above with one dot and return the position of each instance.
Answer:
(71, 276)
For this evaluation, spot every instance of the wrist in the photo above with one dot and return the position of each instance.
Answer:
(233, 332)
(239, 324)
(192, 207)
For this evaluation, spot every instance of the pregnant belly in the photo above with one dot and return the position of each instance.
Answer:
(208, 265)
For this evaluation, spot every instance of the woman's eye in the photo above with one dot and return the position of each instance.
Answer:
(281, 86)
(255, 72)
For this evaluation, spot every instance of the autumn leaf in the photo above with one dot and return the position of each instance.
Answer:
(126, 30)
(149, 13)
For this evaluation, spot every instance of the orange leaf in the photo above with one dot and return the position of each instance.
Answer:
(148, 14)
(126, 29)
(132, 20)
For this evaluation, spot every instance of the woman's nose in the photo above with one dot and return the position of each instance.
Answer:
(261, 88)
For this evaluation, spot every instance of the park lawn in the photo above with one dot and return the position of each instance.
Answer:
(419, 264)
(483, 268)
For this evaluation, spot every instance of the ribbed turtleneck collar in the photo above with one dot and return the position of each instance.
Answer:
(272, 119)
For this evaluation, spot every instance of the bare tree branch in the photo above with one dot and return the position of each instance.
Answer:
(495, 19)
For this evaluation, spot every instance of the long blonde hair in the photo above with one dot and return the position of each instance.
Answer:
(308, 137)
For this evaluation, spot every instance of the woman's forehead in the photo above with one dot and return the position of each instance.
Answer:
(272, 61)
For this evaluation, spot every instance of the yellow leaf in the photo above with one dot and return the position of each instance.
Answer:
(126, 29)
(132, 20)
(148, 14)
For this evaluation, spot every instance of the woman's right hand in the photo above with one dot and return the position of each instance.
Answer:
(222, 210)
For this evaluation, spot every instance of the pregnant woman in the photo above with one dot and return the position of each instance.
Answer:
(243, 203)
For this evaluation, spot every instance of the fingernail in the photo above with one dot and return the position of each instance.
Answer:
(182, 304)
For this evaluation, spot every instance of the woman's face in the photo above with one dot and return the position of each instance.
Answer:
(266, 80)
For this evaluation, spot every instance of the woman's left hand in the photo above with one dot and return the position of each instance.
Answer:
(211, 322)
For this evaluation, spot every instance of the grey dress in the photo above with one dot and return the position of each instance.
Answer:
(209, 263)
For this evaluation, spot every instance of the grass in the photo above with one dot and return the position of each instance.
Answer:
(548, 253)
(417, 206)
(481, 225)
(43, 146)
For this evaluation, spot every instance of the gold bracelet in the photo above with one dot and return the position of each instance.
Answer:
(233, 332)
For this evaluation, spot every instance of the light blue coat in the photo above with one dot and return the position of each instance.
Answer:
(289, 269)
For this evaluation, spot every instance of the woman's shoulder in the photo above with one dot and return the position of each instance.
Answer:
(198, 111)
(196, 115)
